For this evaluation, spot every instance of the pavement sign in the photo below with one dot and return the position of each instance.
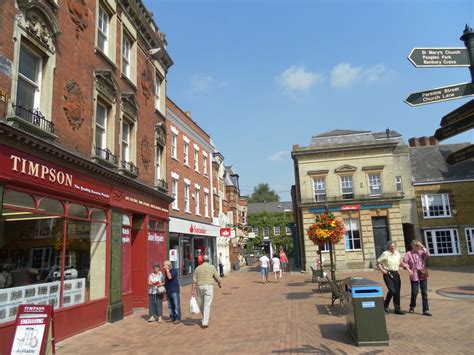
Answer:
(466, 110)
(454, 128)
(439, 57)
(440, 94)
(461, 155)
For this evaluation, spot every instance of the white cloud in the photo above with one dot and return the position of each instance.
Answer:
(279, 155)
(344, 75)
(297, 79)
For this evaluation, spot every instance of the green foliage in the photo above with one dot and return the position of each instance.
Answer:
(262, 193)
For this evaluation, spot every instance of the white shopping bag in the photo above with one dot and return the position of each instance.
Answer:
(193, 306)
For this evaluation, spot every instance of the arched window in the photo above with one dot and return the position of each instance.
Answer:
(78, 211)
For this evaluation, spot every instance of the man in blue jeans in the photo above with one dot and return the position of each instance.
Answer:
(172, 292)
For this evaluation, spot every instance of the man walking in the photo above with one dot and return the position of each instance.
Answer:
(203, 281)
(264, 263)
(172, 292)
(389, 263)
(221, 265)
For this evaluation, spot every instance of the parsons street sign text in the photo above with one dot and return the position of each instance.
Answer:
(440, 94)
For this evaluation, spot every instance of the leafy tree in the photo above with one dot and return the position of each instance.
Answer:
(262, 193)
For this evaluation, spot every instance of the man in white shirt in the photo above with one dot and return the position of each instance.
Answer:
(264, 263)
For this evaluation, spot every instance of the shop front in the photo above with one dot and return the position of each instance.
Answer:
(188, 242)
(72, 241)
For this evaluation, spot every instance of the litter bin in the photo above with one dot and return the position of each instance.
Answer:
(364, 311)
(236, 266)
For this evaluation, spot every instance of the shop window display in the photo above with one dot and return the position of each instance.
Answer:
(40, 262)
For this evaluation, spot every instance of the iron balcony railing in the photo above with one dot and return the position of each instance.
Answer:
(130, 167)
(161, 184)
(106, 155)
(34, 117)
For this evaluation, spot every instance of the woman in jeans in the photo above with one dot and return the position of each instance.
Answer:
(416, 262)
(155, 298)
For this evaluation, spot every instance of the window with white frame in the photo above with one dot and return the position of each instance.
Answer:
(196, 159)
(186, 198)
(276, 230)
(103, 25)
(324, 247)
(174, 145)
(101, 126)
(29, 79)
(197, 202)
(206, 204)
(319, 189)
(287, 230)
(398, 184)
(126, 129)
(469, 232)
(266, 231)
(186, 153)
(204, 165)
(352, 235)
(435, 205)
(158, 82)
(158, 157)
(126, 57)
(375, 184)
(442, 241)
(174, 192)
(255, 230)
(347, 187)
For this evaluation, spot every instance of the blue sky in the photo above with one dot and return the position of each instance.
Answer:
(262, 75)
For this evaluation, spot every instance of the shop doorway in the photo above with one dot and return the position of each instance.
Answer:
(380, 230)
(199, 250)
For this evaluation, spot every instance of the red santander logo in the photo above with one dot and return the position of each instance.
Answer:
(197, 230)
(225, 232)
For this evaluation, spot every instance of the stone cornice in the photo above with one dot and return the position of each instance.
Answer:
(302, 151)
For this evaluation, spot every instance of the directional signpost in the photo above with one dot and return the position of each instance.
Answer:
(458, 121)
(439, 57)
(461, 155)
(440, 94)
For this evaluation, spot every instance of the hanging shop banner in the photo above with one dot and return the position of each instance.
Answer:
(34, 330)
(225, 232)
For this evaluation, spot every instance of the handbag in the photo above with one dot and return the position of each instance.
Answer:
(423, 273)
(161, 290)
(193, 306)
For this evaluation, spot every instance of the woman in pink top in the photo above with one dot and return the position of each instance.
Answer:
(283, 261)
(416, 262)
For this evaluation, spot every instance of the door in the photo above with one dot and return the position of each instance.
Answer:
(380, 229)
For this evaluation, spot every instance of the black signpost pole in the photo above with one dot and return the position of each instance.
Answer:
(468, 39)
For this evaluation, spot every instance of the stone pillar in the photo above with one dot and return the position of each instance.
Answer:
(115, 311)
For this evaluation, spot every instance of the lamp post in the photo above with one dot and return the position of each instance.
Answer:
(331, 258)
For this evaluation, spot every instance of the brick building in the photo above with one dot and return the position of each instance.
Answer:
(444, 196)
(82, 201)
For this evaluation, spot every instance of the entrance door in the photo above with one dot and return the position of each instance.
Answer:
(380, 229)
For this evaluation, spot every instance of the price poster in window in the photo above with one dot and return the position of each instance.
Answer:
(33, 330)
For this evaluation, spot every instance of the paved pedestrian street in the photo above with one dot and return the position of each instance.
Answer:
(290, 317)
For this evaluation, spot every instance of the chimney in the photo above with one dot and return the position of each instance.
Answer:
(413, 142)
(424, 141)
(188, 113)
(433, 141)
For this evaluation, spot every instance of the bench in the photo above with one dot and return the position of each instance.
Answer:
(317, 277)
(337, 295)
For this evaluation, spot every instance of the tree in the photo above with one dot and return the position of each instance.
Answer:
(262, 193)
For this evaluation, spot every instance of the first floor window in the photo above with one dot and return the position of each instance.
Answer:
(174, 146)
(324, 247)
(197, 195)
(320, 189)
(174, 192)
(287, 230)
(276, 230)
(352, 235)
(442, 241)
(206, 204)
(126, 141)
(398, 183)
(375, 184)
(186, 198)
(266, 231)
(101, 127)
(469, 240)
(204, 165)
(435, 205)
(158, 155)
(255, 230)
(196, 160)
(29, 79)
(346, 187)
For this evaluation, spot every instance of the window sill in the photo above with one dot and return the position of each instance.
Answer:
(351, 250)
(174, 158)
(206, 176)
(106, 57)
(175, 208)
(437, 217)
(197, 171)
(198, 214)
(128, 81)
(186, 165)
(188, 212)
(446, 254)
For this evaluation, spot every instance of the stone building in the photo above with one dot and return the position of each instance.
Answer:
(82, 203)
(363, 178)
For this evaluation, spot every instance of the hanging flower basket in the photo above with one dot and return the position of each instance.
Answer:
(327, 229)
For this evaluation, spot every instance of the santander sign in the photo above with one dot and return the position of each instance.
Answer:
(197, 230)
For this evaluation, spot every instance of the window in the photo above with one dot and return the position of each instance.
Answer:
(204, 165)
(186, 153)
(196, 160)
(101, 127)
(276, 230)
(103, 30)
(197, 205)
(174, 148)
(346, 187)
(125, 141)
(206, 204)
(287, 230)
(158, 155)
(442, 241)
(319, 189)
(266, 232)
(398, 183)
(324, 247)
(29, 79)
(435, 206)
(126, 46)
(469, 232)
(375, 184)
(255, 230)
(174, 193)
(186, 198)
(157, 91)
(352, 235)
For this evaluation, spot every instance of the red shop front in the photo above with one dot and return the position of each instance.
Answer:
(79, 243)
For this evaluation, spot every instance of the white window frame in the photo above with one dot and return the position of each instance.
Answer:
(158, 83)
(38, 73)
(126, 142)
(374, 182)
(276, 230)
(206, 204)
(469, 233)
(352, 224)
(425, 203)
(398, 184)
(347, 182)
(432, 242)
(287, 230)
(174, 147)
(197, 202)
(158, 157)
(319, 184)
(186, 153)
(187, 207)
(255, 230)
(103, 18)
(196, 160)
(103, 128)
(126, 55)
(204, 165)
(266, 231)
(174, 193)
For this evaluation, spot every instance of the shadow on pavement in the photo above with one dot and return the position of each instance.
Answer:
(189, 322)
(298, 295)
(296, 284)
(308, 349)
(324, 309)
(337, 332)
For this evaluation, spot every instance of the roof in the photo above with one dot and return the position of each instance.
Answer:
(339, 132)
(344, 137)
(257, 207)
(429, 164)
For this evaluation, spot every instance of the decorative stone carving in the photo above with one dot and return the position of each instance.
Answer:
(145, 152)
(106, 84)
(160, 133)
(117, 195)
(74, 104)
(147, 83)
(130, 105)
(79, 14)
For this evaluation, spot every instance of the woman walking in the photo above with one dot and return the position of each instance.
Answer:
(416, 262)
(155, 294)
(283, 261)
(276, 267)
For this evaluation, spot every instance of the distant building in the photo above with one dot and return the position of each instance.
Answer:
(364, 178)
(444, 202)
